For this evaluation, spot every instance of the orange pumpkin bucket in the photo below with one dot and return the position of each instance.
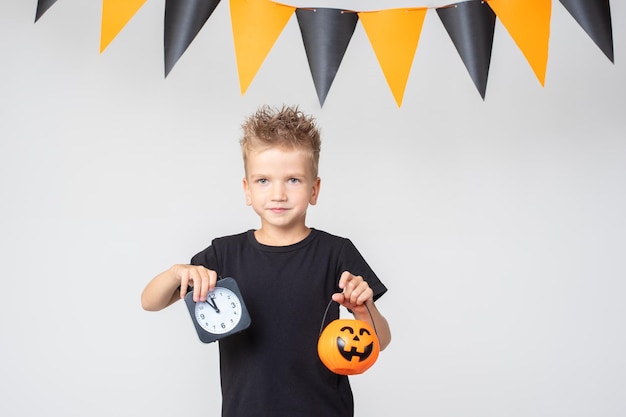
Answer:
(348, 346)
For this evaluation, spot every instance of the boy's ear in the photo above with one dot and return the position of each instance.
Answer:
(246, 190)
(315, 192)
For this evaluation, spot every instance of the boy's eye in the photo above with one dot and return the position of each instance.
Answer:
(294, 180)
(262, 181)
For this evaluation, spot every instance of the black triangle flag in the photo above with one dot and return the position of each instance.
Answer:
(471, 26)
(594, 16)
(42, 7)
(326, 34)
(183, 21)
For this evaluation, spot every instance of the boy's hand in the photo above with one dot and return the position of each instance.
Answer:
(200, 278)
(356, 292)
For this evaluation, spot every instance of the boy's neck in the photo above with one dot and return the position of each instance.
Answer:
(278, 237)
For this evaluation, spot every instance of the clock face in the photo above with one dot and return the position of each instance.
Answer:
(223, 313)
(220, 313)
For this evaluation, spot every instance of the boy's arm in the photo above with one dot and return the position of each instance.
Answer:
(171, 285)
(358, 297)
(380, 323)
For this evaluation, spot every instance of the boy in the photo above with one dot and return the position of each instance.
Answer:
(287, 274)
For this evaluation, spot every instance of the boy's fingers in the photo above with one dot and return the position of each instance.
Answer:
(338, 297)
(201, 279)
(185, 281)
(350, 285)
(205, 285)
(360, 293)
(195, 283)
(365, 295)
(196, 276)
(207, 282)
(344, 278)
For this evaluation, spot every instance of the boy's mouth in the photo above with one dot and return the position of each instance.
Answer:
(278, 209)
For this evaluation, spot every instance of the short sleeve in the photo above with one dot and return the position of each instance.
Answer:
(351, 260)
(206, 258)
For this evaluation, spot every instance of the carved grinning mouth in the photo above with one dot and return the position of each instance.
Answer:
(348, 355)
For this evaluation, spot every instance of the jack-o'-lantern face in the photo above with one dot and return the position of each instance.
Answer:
(348, 347)
(351, 344)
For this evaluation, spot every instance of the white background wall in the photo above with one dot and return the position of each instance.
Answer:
(497, 225)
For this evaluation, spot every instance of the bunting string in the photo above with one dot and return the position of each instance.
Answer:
(394, 34)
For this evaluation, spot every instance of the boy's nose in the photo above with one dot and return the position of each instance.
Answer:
(278, 192)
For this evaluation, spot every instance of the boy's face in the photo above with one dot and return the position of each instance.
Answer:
(280, 185)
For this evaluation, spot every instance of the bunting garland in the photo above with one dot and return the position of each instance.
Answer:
(326, 34)
(595, 18)
(519, 15)
(42, 7)
(183, 21)
(471, 26)
(394, 34)
(256, 26)
(115, 15)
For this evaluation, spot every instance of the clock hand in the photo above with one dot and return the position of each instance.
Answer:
(211, 301)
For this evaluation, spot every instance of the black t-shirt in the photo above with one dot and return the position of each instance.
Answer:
(272, 368)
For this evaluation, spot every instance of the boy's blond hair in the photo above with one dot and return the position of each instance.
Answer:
(287, 127)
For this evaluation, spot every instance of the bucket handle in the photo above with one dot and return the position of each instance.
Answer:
(328, 307)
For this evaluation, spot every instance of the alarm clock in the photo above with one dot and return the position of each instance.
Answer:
(222, 314)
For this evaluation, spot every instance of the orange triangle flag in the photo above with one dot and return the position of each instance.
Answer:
(394, 35)
(115, 15)
(256, 26)
(528, 23)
